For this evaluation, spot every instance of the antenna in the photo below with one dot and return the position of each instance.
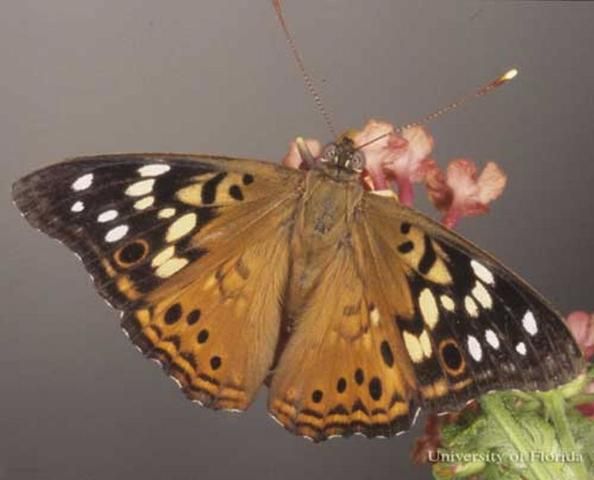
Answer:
(306, 77)
(479, 92)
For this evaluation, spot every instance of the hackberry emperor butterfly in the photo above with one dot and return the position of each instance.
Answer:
(358, 309)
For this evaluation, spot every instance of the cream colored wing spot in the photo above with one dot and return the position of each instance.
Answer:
(471, 306)
(144, 203)
(181, 227)
(171, 266)
(428, 307)
(166, 212)
(164, 255)
(143, 187)
(419, 347)
(447, 303)
(480, 293)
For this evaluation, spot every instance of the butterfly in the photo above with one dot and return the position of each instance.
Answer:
(354, 309)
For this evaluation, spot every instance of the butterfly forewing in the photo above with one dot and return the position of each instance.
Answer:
(183, 245)
(470, 325)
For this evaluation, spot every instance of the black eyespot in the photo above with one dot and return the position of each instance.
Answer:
(341, 385)
(173, 314)
(451, 356)
(359, 376)
(405, 228)
(317, 396)
(132, 252)
(193, 316)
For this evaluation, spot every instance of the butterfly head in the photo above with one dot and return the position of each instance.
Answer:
(343, 155)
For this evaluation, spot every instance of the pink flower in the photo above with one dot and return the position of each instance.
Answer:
(581, 325)
(461, 191)
(398, 158)
(293, 158)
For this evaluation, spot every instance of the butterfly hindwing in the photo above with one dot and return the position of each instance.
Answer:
(469, 325)
(339, 374)
(194, 249)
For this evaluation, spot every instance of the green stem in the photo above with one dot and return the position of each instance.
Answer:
(493, 406)
(555, 407)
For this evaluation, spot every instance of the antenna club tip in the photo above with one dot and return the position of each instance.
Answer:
(506, 77)
(510, 74)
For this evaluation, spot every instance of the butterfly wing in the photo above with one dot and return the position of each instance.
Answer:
(469, 324)
(183, 245)
(407, 314)
(340, 371)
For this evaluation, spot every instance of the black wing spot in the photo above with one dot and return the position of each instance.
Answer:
(428, 258)
(317, 396)
(235, 192)
(375, 388)
(406, 247)
(359, 376)
(173, 314)
(341, 385)
(209, 189)
(202, 336)
(193, 316)
(387, 354)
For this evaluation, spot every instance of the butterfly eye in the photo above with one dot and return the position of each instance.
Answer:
(328, 154)
(358, 161)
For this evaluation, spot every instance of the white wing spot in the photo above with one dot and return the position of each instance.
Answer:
(181, 227)
(166, 213)
(492, 339)
(144, 203)
(140, 188)
(107, 216)
(82, 183)
(428, 307)
(482, 295)
(153, 170)
(482, 272)
(521, 348)
(471, 306)
(116, 233)
(474, 348)
(77, 207)
(529, 323)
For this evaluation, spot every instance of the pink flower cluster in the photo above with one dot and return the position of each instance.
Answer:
(398, 160)
(581, 325)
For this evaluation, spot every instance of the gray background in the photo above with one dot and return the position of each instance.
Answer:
(80, 77)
